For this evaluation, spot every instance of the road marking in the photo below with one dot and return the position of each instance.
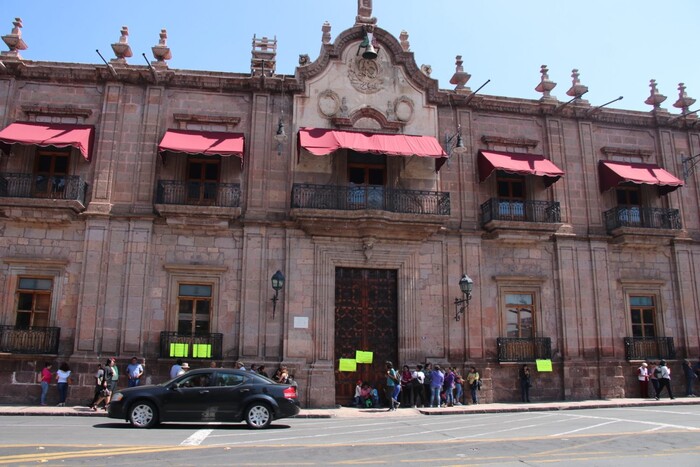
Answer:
(197, 438)
(583, 429)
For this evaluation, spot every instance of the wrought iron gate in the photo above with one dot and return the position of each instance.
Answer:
(365, 319)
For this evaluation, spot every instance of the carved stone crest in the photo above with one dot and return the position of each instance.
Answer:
(365, 75)
(328, 103)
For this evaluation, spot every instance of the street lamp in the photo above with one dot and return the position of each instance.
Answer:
(277, 284)
(465, 285)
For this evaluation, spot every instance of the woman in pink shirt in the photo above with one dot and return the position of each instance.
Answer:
(45, 381)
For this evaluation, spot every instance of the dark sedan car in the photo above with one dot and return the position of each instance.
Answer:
(207, 395)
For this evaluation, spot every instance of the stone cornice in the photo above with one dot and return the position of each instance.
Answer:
(55, 110)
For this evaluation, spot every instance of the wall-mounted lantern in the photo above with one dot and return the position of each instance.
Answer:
(466, 284)
(277, 284)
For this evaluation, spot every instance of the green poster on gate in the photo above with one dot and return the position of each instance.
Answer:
(347, 364)
(363, 356)
(544, 365)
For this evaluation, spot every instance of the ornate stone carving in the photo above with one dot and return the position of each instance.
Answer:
(655, 98)
(460, 78)
(304, 59)
(326, 29)
(328, 103)
(14, 40)
(683, 102)
(365, 75)
(404, 108)
(546, 85)
(403, 38)
(426, 69)
(161, 52)
(364, 13)
(122, 49)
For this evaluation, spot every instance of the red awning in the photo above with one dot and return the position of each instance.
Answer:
(320, 142)
(57, 135)
(203, 142)
(518, 163)
(613, 173)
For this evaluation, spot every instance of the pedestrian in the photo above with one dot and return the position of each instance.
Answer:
(45, 381)
(525, 382)
(427, 389)
(100, 384)
(643, 378)
(437, 378)
(418, 391)
(653, 376)
(239, 365)
(664, 377)
(112, 375)
(184, 369)
(690, 378)
(393, 386)
(134, 371)
(63, 379)
(175, 369)
(261, 371)
(406, 386)
(449, 386)
(357, 399)
(474, 381)
(459, 386)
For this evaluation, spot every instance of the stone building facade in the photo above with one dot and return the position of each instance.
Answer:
(145, 209)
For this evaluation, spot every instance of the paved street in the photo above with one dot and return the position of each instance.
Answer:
(620, 436)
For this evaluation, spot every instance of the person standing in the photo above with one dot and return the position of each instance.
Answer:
(474, 382)
(418, 381)
(449, 385)
(654, 373)
(690, 378)
(664, 377)
(525, 382)
(406, 386)
(45, 380)
(134, 371)
(643, 377)
(459, 386)
(393, 386)
(63, 379)
(175, 369)
(437, 378)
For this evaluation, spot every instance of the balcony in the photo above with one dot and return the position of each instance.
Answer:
(634, 224)
(649, 348)
(522, 219)
(369, 211)
(31, 340)
(30, 192)
(198, 203)
(524, 349)
(201, 346)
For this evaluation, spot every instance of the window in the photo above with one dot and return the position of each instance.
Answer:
(229, 380)
(194, 309)
(511, 195)
(643, 311)
(520, 311)
(33, 302)
(202, 180)
(367, 177)
(50, 171)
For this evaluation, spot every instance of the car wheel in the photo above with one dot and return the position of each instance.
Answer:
(258, 416)
(143, 414)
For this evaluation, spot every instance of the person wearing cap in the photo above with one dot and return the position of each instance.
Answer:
(643, 377)
(184, 369)
(664, 380)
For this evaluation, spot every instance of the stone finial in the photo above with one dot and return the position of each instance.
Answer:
(403, 38)
(304, 59)
(263, 56)
(546, 85)
(14, 40)
(655, 98)
(426, 69)
(122, 49)
(577, 89)
(161, 52)
(326, 37)
(460, 78)
(364, 13)
(683, 102)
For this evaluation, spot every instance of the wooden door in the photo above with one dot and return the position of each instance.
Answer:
(365, 319)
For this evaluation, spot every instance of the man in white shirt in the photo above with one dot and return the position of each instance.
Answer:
(643, 377)
(175, 369)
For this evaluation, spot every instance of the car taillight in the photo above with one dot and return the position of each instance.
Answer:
(290, 393)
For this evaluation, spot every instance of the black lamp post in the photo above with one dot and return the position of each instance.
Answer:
(277, 284)
(465, 285)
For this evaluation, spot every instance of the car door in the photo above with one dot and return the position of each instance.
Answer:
(226, 395)
(189, 398)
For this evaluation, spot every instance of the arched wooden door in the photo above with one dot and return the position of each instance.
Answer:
(365, 319)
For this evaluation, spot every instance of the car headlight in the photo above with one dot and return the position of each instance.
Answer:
(117, 397)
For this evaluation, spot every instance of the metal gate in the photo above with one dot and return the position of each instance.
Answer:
(365, 319)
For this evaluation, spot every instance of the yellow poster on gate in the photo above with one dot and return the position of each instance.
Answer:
(347, 364)
(544, 365)
(363, 356)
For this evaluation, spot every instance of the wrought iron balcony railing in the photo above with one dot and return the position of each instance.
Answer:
(523, 349)
(353, 198)
(24, 185)
(647, 218)
(190, 193)
(649, 348)
(523, 211)
(205, 346)
(31, 340)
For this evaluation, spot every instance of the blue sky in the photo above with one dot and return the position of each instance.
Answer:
(617, 45)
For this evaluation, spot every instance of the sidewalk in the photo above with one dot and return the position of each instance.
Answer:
(349, 412)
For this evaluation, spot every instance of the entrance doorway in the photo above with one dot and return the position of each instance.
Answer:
(366, 319)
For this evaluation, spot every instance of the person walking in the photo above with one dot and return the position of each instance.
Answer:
(45, 381)
(654, 373)
(643, 378)
(664, 377)
(134, 371)
(449, 385)
(100, 385)
(393, 386)
(175, 369)
(690, 378)
(525, 382)
(63, 379)
(437, 378)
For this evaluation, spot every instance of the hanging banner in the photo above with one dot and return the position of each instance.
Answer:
(347, 364)
(363, 356)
